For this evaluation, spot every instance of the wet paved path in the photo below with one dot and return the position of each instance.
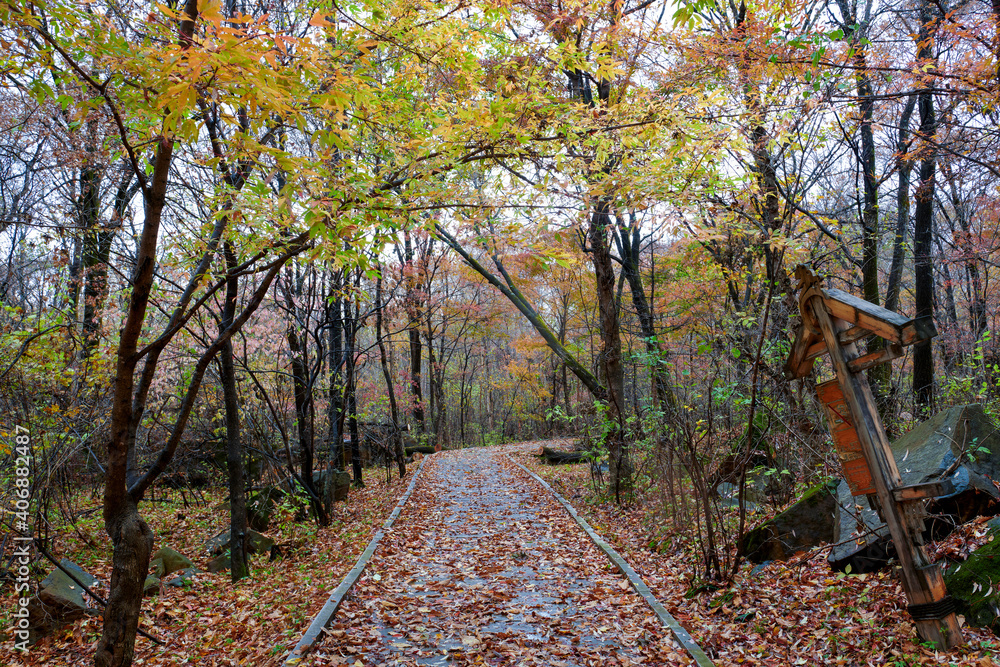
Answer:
(483, 567)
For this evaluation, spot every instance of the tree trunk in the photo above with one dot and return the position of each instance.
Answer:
(432, 394)
(91, 269)
(351, 331)
(302, 394)
(440, 426)
(335, 356)
(611, 350)
(412, 303)
(240, 566)
(131, 537)
(630, 243)
(903, 167)
(951, 355)
(978, 312)
(879, 375)
(923, 218)
(508, 288)
(397, 440)
(133, 542)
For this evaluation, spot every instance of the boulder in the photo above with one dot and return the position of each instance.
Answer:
(255, 543)
(558, 456)
(807, 523)
(216, 545)
(871, 546)
(151, 586)
(59, 601)
(729, 495)
(219, 563)
(731, 467)
(167, 561)
(58, 582)
(183, 577)
(975, 583)
(260, 506)
(964, 443)
(341, 483)
(960, 446)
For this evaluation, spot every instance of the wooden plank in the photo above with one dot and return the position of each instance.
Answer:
(801, 360)
(935, 489)
(887, 353)
(816, 350)
(845, 439)
(920, 578)
(800, 363)
(853, 334)
(919, 329)
(885, 323)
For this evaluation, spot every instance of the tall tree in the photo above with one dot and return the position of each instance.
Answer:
(395, 435)
(923, 214)
(413, 301)
(239, 563)
(856, 26)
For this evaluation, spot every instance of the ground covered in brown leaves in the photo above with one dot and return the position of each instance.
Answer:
(255, 622)
(483, 567)
(793, 613)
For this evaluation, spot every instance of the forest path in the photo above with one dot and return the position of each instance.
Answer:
(484, 567)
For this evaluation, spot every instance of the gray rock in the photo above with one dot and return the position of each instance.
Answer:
(59, 601)
(933, 448)
(260, 506)
(729, 496)
(167, 561)
(869, 550)
(185, 576)
(341, 480)
(219, 563)
(960, 441)
(255, 543)
(217, 544)
(151, 586)
(809, 522)
(57, 577)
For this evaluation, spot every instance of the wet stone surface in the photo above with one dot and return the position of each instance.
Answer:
(484, 568)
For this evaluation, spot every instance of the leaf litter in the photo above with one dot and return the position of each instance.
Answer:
(483, 567)
(798, 612)
(215, 623)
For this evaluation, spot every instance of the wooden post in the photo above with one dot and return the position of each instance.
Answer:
(931, 608)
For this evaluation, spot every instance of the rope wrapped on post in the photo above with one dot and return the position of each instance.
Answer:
(933, 611)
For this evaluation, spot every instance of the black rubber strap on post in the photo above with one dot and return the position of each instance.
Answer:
(933, 611)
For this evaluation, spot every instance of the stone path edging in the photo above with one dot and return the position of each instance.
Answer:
(325, 615)
(676, 629)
